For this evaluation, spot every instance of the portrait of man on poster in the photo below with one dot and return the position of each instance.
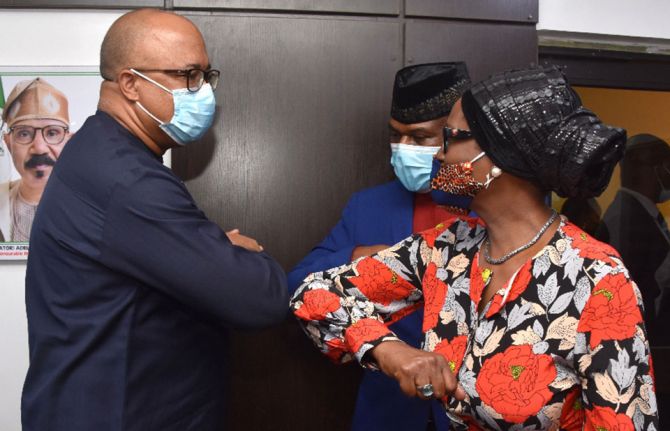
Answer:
(36, 126)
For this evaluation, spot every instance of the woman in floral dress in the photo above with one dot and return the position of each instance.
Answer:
(530, 324)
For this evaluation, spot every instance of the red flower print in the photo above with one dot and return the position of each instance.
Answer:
(612, 312)
(515, 382)
(474, 221)
(572, 415)
(336, 349)
(364, 331)
(453, 351)
(429, 235)
(378, 283)
(606, 419)
(403, 312)
(477, 282)
(588, 246)
(316, 304)
(519, 284)
(434, 293)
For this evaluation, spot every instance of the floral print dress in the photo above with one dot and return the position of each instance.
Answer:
(561, 347)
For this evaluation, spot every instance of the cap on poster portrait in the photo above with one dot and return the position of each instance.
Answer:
(35, 99)
(67, 95)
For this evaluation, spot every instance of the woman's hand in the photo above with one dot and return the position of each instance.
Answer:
(414, 368)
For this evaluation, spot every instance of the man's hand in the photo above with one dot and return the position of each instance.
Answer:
(367, 250)
(243, 241)
(413, 368)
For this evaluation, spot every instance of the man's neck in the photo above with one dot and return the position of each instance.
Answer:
(115, 105)
(30, 195)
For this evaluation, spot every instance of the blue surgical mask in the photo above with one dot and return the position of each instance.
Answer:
(412, 165)
(193, 112)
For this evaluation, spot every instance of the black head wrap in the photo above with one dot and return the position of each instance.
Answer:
(532, 124)
(424, 92)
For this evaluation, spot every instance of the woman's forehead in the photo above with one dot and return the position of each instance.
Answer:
(456, 117)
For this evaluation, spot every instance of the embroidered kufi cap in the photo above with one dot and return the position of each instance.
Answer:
(35, 99)
(424, 92)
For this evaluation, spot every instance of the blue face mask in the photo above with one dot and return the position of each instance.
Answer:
(193, 112)
(412, 165)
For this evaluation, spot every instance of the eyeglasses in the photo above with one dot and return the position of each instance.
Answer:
(455, 135)
(53, 135)
(195, 78)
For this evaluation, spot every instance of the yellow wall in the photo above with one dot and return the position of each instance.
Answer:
(637, 112)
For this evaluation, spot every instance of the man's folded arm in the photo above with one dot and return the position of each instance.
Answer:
(155, 233)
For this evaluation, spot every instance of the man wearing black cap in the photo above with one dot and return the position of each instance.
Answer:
(378, 217)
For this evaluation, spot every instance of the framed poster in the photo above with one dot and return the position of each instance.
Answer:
(42, 107)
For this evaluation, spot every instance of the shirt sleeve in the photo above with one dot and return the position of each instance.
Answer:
(613, 358)
(334, 250)
(346, 310)
(156, 234)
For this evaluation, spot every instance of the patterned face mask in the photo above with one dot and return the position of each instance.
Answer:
(453, 184)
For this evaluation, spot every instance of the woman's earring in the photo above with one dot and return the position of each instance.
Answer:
(495, 173)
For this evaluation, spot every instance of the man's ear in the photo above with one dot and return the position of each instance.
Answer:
(128, 81)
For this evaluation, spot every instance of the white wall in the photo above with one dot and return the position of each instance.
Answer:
(639, 18)
(53, 38)
(14, 342)
(36, 38)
